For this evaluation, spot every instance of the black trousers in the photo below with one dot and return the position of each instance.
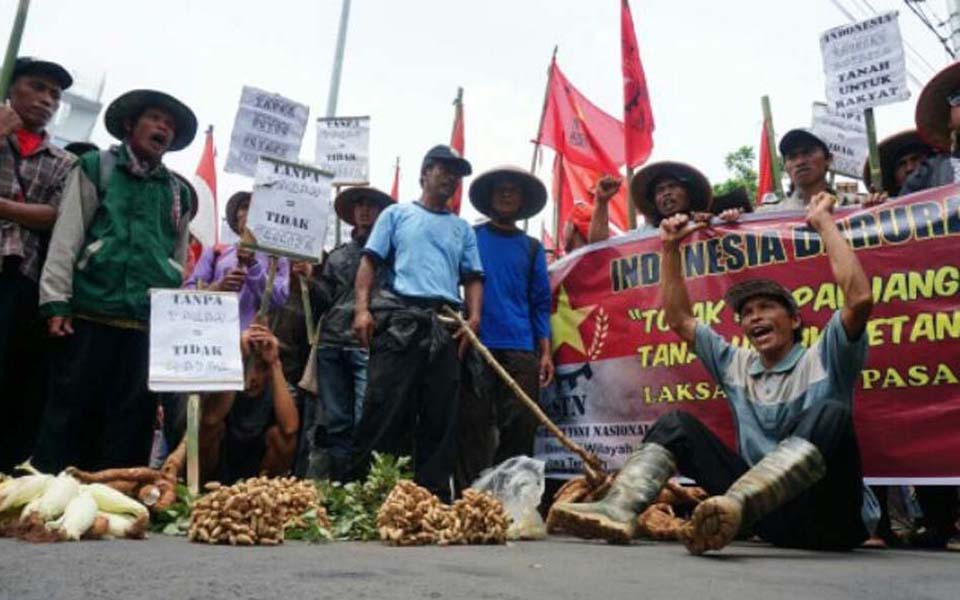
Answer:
(99, 412)
(826, 517)
(21, 366)
(410, 405)
(493, 424)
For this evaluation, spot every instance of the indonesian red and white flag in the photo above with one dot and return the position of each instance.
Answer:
(395, 190)
(206, 225)
(458, 143)
(765, 182)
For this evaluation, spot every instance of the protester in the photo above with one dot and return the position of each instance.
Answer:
(514, 325)
(341, 361)
(737, 199)
(32, 175)
(900, 155)
(806, 159)
(233, 268)
(797, 473)
(122, 230)
(253, 432)
(414, 374)
(576, 232)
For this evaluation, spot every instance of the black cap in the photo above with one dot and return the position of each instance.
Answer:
(797, 138)
(447, 155)
(27, 65)
(738, 295)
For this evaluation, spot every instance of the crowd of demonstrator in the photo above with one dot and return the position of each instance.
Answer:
(85, 233)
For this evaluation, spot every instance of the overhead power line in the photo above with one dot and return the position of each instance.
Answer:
(913, 5)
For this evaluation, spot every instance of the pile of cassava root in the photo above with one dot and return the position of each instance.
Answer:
(253, 511)
(412, 516)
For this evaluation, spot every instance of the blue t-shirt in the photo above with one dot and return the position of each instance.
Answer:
(430, 252)
(516, 293)
(764, 401)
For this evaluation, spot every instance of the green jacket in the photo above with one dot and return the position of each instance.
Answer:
(108, 249)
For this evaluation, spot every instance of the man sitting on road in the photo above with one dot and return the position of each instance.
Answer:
(797, 476)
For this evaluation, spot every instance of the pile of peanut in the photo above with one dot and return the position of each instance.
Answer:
(412, 516)
(253, 511)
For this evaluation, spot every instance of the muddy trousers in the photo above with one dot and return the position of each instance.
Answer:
(410, 405)
(825, 517)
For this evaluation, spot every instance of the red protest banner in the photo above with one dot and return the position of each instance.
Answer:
(619, 367)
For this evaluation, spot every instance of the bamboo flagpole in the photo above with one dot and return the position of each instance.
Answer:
(591, 464)
(543, 113)
(873, 159)
(13, 47)
(772, 145)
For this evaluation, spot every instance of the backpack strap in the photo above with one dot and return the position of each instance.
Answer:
(108, 164)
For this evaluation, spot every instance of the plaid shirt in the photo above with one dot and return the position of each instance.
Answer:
(43, 173)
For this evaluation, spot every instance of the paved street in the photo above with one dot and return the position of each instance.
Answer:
(562, 568)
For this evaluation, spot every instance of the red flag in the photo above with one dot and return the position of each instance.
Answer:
(577, 129)
(765, 182)
(637, 112)
(458, 143)
(572, 185)
(206, 225)
(395, 190)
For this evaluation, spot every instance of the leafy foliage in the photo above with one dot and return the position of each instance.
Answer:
(313, 530)
(175, 520)
(353, 507)
(740, 165)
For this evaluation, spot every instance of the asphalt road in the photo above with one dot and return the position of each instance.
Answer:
(171, 568)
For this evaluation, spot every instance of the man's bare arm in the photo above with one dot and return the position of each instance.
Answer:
(673, 289)
(846, 267)
(40, 217)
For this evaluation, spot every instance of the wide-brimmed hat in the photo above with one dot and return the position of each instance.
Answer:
(796, 138)
(738, 295)
(890, 150)
(641, 187)
(448, 155)
(194, 201)
(933, 113)
(233, 205)
(27, 65)
(348, 198)
(133, 103)
(533, 192)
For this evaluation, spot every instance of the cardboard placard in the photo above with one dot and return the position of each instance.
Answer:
(266, 124)
(343, 148)
(289, 210)
(194, 341)
(864, 64)
(846, 136)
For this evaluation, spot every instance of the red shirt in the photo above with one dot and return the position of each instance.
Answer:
(28, 141)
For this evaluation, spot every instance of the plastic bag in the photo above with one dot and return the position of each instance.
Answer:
(518, 483)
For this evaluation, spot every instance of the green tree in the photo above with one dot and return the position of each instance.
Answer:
(740, 166)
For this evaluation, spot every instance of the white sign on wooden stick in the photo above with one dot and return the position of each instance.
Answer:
(846, 136)
(266, 125)
(864, 64)
(194, 341)
(343, 148)
(289, 209)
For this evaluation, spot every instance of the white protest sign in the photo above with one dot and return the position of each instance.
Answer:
(343, 148)
(194, 341)
(864, 64)
(266, 125)
(289, 209)
(846, 136)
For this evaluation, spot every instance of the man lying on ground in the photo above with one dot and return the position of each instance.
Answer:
(796, 478)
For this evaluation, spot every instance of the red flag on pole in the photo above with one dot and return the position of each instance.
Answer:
(576, 185)
(637, 112)
(577, 129)
(765, 180)
(395, 190)
(206, 225)
(457, 142)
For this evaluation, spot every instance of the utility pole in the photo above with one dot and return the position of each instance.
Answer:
(953, 18)
(335, 79)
